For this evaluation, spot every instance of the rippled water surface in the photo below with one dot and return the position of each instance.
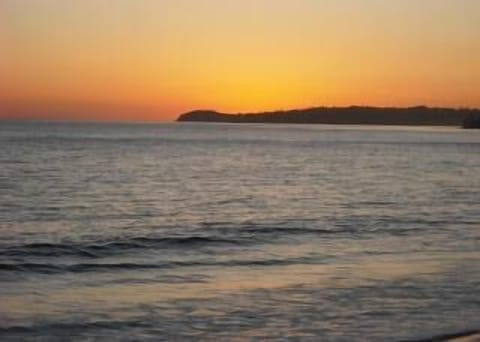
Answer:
(217, 231)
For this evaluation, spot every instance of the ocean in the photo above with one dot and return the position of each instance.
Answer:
(185, 231)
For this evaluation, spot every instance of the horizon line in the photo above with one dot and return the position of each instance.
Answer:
(46, 119)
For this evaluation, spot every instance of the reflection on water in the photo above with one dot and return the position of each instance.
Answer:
(201, 231)
(220, 282)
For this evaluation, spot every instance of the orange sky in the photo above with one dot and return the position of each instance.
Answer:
(151, 60)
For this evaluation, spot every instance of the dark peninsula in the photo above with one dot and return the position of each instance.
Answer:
(354, 115)
(472, 121)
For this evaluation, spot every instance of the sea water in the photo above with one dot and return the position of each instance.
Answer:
(248, 231)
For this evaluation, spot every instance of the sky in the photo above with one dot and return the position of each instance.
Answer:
(155, 59)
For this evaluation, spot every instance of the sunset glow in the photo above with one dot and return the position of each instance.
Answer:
(152, 60)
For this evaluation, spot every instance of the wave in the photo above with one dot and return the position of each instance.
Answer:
(287, 230)
(216, 235)
(66, 329)
(225, 236)
(85, 329)
(102, 249)
(50, 268)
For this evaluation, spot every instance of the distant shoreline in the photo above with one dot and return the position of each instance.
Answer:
(354, 115)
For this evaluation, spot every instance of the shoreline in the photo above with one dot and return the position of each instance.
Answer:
(464, 336)
(354, 115)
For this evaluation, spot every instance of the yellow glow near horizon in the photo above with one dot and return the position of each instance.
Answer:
(151, 60)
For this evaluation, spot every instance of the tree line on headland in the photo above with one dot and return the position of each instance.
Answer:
(354, 115)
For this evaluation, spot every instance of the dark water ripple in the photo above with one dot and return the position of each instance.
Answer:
(219, 237)
(99, 250)
(104, 267)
